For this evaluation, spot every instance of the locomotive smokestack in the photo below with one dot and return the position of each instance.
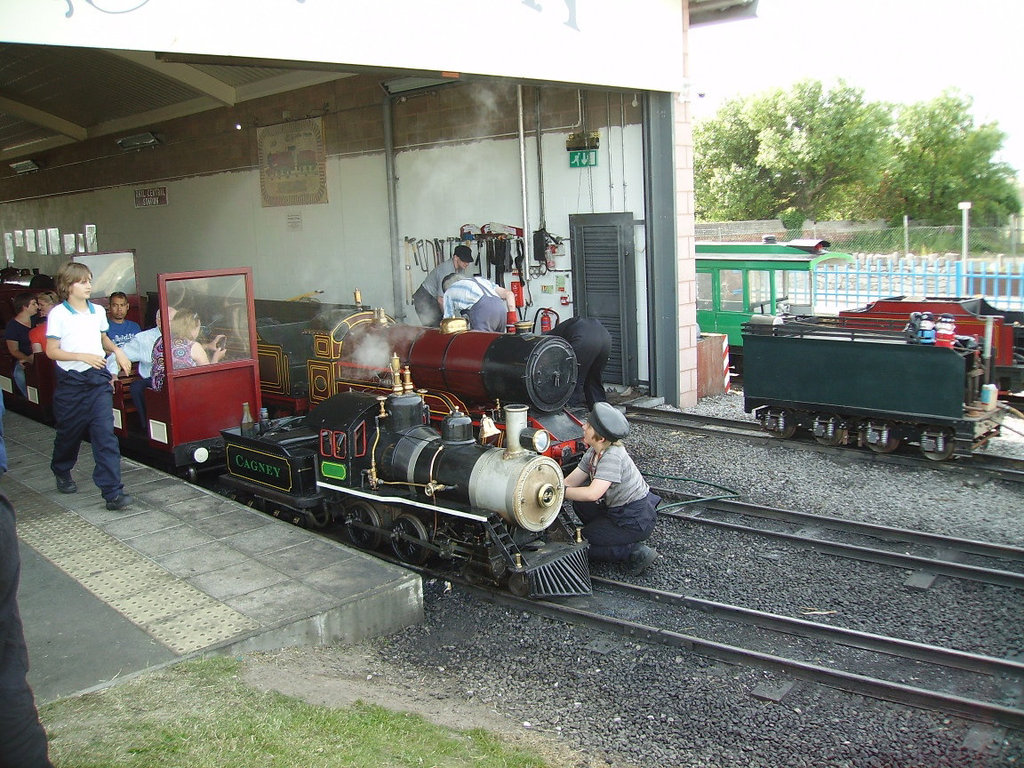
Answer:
(515, 423)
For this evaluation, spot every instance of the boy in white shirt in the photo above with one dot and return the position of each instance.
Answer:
(76, 339)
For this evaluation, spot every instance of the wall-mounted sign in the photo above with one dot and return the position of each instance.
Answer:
(293, 163)
(583, 158)
(150, 196)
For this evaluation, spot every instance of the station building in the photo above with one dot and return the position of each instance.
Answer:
(343, 146)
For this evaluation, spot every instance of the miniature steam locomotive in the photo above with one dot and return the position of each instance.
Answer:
(303, 363)
(376, 465)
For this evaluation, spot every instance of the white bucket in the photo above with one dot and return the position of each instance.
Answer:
(989, 393)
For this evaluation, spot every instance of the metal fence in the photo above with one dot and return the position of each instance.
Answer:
(900, 261)
(868, 238)
(845, 286)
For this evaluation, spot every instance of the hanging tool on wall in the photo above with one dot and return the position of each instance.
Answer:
(410, 257)
(421, 255)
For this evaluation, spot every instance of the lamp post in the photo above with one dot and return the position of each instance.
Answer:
(964, 207)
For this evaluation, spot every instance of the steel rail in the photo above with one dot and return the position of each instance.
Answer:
(899, 693)
(888, 533)
(972, 709)
(868, 641)
(882, 557)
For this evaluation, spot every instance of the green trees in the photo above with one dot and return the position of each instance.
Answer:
(828, 154)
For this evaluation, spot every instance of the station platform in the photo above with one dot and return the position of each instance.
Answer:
(181, 573)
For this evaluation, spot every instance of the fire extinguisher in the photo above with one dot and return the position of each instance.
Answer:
(548, 320)
(517, 288)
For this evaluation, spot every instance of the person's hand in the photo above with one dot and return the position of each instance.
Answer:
(123, 362)
(95, 361)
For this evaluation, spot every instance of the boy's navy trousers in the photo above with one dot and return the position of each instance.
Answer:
(83, 406)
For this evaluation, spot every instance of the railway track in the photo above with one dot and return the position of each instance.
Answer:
(925, 555)
(974, 686)
(1002, 467)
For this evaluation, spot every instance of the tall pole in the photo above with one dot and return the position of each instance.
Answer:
(965, 208)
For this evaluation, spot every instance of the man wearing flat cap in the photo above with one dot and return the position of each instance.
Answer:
(429, 297)
(610, 496)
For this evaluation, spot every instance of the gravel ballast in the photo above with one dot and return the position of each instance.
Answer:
(625, 702)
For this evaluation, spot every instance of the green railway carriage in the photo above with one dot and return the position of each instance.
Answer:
(738, 280)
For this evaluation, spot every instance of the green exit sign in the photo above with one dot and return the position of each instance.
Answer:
(583, 158)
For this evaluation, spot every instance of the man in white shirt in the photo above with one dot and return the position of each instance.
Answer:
(485, 304)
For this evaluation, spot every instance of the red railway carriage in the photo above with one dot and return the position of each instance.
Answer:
(183, 421)
(973, 317)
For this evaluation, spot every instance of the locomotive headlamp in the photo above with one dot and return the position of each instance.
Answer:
(536, 440)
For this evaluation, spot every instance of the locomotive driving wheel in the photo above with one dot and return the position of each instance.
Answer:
(406, 536)
(519, 584)
(360, 518)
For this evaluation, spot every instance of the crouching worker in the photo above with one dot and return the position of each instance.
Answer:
(610, 496)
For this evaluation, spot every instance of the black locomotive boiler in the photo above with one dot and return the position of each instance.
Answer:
(375, 465)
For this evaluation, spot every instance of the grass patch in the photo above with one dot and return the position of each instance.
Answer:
(202, 715)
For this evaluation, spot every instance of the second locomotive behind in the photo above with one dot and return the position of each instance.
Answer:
(375, 464)
(476, 372)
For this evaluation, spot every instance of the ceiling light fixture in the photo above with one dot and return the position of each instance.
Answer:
(138, 141)
(406, 84)
(24, 166)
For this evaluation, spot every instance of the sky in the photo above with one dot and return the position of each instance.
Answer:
(902, 51)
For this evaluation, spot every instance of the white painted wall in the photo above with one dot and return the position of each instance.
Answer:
(218, 221)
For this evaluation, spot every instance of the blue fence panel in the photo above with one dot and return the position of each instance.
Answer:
(845, 286)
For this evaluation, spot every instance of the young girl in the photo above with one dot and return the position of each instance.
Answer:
(82, 401)
(186, 352)
(615, 505)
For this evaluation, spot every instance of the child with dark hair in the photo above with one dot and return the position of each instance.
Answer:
(16, 335)
(76, 339)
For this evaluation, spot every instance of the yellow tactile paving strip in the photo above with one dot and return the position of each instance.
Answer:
(178, 615)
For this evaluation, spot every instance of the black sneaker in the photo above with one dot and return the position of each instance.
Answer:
(120, 501)
(641, 558)
(66, 484)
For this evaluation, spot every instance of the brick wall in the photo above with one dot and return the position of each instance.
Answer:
(352, 111)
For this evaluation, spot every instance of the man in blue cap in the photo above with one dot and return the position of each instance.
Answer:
(610, 496)
(428, 299)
